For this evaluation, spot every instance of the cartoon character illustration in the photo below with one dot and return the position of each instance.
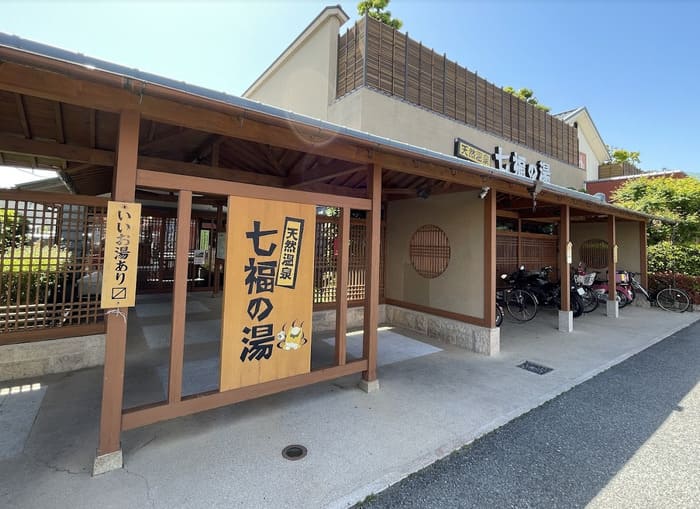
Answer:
(292, 339)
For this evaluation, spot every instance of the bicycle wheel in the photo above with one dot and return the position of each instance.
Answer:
(590, 300)
(499, 314)
(673, 299)
(622, 299)
(521, 305)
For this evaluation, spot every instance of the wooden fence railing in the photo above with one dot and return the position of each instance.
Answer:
(372, 54)
(51, 261)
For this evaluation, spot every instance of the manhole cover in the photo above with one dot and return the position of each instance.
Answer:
(294, 452)
(535, 368)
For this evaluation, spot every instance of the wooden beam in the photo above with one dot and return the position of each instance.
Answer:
(172, 107)
(160, 180)
(564, 265)
(142, 416)
(341, 287)
(22, 115)
(489, 259)
(60, 135)
(93, 128)
(339, 190)
(212, 172)
(322, 173)
(177, 334)
(73, 153)
(369, 344)
(643, 267)
(123, 189)
(612, 263)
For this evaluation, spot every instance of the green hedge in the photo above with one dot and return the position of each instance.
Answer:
(678, 258)
(689, 284)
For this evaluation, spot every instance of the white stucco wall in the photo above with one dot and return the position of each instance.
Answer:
(396, 119)
(628, 242)
(304, 80)
(460, 289)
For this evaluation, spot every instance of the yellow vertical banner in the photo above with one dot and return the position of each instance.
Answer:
(268, 291)
(121, 252)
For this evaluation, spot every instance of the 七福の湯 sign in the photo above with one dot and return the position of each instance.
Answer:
(268, 291)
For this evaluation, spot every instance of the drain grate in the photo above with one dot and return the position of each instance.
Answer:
(535, 368)
(294, 452)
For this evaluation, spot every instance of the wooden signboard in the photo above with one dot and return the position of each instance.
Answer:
(121, 255)
(268, 291)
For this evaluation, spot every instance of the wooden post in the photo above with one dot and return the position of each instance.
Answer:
(341, 287)
(490, 259)
(564, 265)
(177, 333)
(374, 216)
(643, 268)
(123, 189)
(217, 264)
(612, 263)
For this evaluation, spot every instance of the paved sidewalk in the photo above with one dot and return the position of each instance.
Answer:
(429, 404)
(628, 438)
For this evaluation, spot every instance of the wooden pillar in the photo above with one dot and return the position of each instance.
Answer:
(369, 350)
(217, 264)
(564, 265)
(490, 259)
(341, 291)
(177, 333)
(123, 189)
(612, 262)
(643, 268)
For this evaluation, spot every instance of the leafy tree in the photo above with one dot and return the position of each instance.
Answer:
(527, 95)
(14, 229)
(677, 199)
(377, 9)
(620, 155)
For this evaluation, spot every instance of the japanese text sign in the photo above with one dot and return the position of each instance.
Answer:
(121, 255)
(268, 291)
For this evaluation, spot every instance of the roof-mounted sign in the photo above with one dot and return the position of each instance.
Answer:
(511, 163)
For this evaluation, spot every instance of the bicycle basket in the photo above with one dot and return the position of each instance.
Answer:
(589, 279)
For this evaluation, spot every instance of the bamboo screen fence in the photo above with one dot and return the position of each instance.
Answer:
(374, 55)
(532, 250)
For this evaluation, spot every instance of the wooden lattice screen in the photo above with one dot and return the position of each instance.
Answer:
(372, 54)
(532, 250)
(594, 253)
(326, 257)
(50, 260)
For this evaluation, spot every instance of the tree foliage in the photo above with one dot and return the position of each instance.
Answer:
(677, 199)
(14, 229)
(377, 9)
(527, 95)
(621, 155)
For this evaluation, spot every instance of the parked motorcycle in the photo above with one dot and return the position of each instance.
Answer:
(546, 292)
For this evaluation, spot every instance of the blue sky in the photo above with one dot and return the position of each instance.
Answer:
(633, 64)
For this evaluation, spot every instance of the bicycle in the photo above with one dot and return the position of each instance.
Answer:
(668, 299)
(520, 303)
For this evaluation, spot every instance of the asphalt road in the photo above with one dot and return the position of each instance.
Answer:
(630, 437)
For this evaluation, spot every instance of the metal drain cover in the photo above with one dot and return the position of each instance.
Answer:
(535, 368)
(294, 452)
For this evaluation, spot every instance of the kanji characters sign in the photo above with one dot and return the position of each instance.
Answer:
(121, 255)
(268, 291)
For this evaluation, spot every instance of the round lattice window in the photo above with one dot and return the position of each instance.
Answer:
(429, 251)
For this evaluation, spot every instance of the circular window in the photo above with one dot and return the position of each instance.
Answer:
(594, 253)
(429, 251)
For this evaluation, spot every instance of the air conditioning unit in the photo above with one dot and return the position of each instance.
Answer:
(600, 197)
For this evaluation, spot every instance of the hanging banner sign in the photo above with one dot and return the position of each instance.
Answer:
(268, 291)
(120, 255)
